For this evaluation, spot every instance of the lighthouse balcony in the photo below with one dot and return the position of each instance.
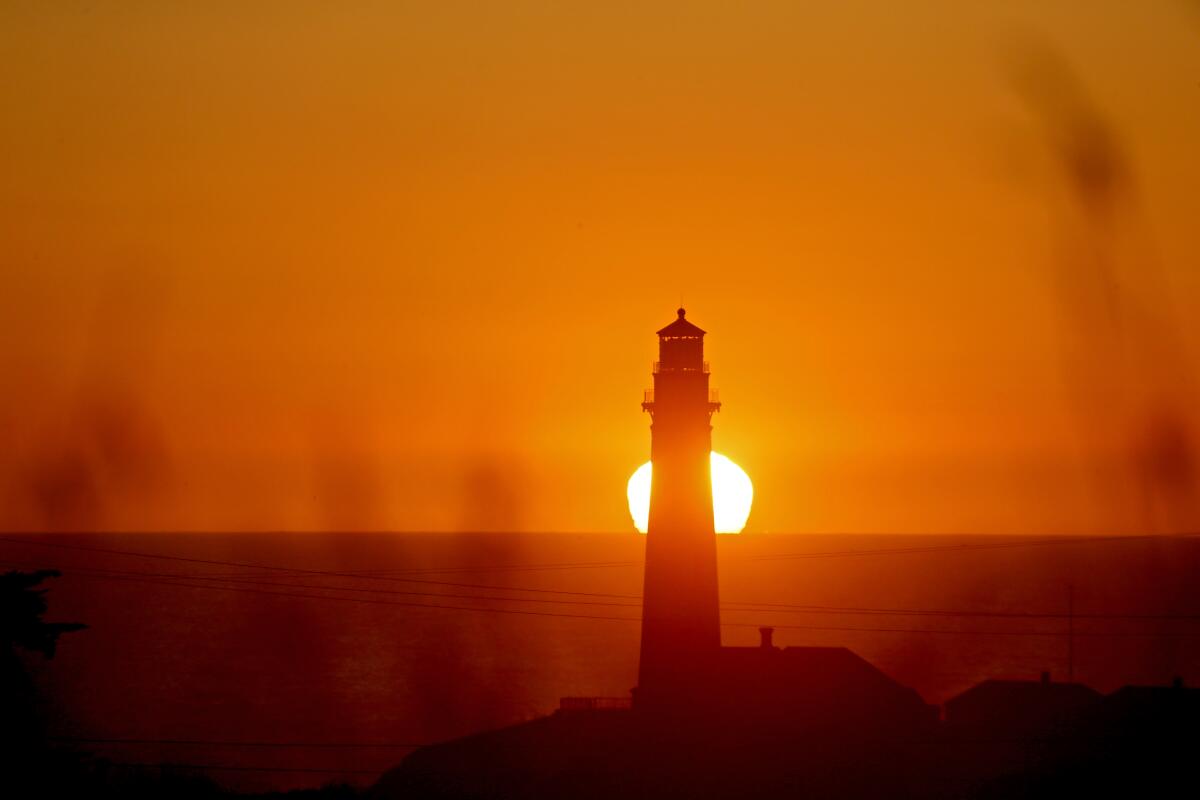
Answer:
(662, 366)
(714, 400)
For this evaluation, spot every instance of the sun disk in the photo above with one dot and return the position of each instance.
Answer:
(733, 494)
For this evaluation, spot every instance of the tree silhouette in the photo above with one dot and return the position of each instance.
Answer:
(22, 628)
(21, 610)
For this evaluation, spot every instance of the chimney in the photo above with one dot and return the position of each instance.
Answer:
(1045, 677)
(766, 634)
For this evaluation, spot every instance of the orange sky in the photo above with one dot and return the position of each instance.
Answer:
(398, 265)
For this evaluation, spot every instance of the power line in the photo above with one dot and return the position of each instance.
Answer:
(370, 601)
(523, 612)
(370, 590)
(325, 573)
(372, 573)
(527, 612)
(101, 572)
(1061, 540)
(361, 576)
(297, 570)
(742, 606)
(395, 574)
(932, 612)
(730, 606)
(503, 568)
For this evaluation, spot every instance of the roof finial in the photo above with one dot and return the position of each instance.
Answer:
(680, 311)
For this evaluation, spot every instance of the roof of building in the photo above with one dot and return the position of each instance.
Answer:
(809, 671)
(1149, 696)
(681, 327)
(1003, 692)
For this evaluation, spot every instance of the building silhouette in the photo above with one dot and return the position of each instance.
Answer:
(1013, 708)
(809, 689)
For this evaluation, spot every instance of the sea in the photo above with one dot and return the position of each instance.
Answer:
(287, 660)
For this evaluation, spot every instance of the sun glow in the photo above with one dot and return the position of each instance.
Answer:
(733, 493)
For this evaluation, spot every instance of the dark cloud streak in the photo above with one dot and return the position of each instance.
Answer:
(1124, 358)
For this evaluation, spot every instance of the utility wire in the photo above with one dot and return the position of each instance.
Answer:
(529, 612)
(1061, 540)
(296, 570)
(742, 606)
(395, 574)
(98, 572)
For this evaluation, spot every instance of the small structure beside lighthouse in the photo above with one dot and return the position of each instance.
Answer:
(681, 626)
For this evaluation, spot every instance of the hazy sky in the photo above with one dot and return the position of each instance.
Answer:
(398, 265)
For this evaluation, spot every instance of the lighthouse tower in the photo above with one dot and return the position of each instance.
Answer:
(681, 632)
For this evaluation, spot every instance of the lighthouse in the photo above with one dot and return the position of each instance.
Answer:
(681, 633)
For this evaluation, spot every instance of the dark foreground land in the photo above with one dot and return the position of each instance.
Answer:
(1129, 746)
(1147, 751)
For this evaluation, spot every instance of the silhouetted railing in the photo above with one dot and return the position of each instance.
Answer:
(659, 367)
(714, 397)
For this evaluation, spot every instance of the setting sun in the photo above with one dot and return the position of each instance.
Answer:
(733, 493)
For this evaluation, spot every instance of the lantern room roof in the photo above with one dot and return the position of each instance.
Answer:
(681, 328)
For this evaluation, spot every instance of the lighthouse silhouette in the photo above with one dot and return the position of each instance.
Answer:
(681, 626)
